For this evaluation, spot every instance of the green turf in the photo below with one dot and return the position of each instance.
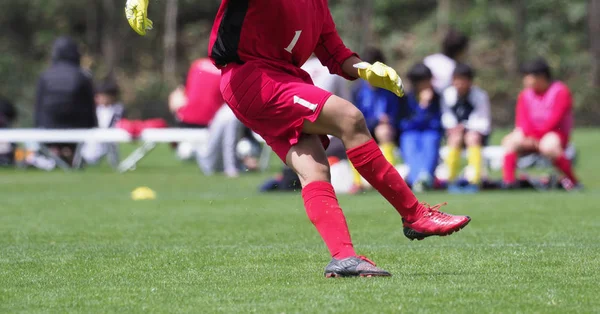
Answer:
(76, 243)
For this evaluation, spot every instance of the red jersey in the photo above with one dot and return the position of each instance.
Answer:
(203, 94)
(282, 33)
(539, 114)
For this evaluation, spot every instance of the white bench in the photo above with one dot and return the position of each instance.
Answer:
(64, 136)
(197, 137)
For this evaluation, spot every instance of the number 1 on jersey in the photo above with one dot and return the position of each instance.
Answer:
(294, 42)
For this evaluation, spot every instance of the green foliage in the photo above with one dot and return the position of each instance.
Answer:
(407, 30)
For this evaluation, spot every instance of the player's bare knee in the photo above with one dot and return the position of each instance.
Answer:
(313, 172)
(511, 142)
(384, 133)
(550, 146)
(454, 139)
(473, 139)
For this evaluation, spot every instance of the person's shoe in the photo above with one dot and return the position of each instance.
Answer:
(355, 266)
(433, 222)
(570, 186)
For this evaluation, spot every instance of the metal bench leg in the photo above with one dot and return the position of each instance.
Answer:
(78, 156)
(131, 161)
(59, 161)
(113, 155)
(265, 157)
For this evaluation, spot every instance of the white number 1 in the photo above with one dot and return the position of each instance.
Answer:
(294, 42)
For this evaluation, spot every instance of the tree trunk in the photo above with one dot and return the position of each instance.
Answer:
(594, 33)
(109, 45)
(444, 12)
(520, 32)
(170, 42)
(366, 17)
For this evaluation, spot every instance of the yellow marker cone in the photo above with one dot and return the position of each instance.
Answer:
(143, 193)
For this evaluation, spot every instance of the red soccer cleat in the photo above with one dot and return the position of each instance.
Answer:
(433, 222)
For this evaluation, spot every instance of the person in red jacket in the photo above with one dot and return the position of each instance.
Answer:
(197, 103)
(544, 121)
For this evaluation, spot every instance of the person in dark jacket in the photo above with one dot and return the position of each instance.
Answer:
(65, 94)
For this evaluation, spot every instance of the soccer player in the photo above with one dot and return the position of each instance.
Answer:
(544, 121)
(467, 122)
(260, 46)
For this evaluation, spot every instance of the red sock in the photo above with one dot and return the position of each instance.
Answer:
(325, 213)
(372, 165)
(509, 168)
(563, 164)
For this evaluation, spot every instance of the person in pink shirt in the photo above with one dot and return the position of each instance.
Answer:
(544, 121)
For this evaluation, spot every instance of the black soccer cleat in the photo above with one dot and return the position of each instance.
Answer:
(356, 266)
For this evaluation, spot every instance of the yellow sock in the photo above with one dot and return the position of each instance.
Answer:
(388, 152)
(474, 160)
(357, 178)
(453, 162)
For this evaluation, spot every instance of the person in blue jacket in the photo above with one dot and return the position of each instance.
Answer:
(420, 127)
(380, 108)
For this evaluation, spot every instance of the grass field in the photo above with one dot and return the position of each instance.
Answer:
(76, 243)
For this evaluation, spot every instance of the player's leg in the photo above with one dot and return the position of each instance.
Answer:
(308, 159)
(473, 141)
(551, 146)
(385, 133)
(231, 134)
(210, 157)
(513, 143)
(340, 118)
(455, 140)
(409, 141)
(431, 153)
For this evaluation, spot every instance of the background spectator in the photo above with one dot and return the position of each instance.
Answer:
(109, 110)
(454, 48)
(420, 128)
(65, 95)
(467, 120)
(196, 104)
(380, 108)
(544, 121)
(8, 115)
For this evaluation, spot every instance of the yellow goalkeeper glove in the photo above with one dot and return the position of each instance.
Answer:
(382, 76)
(136, 12)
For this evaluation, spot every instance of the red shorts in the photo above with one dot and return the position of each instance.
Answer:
(564, 137)
(273, 102)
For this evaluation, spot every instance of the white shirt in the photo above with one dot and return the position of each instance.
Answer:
(480, 119)
(442, 68)
(321, 77)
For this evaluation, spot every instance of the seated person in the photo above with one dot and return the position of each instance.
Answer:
(420, 128)
(8, 115)
(65, 96)
(196, 102)
(200, 105)
(380, 108)
(466, 118)
(109, 110)
(544, 121)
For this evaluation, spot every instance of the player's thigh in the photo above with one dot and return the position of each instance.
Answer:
(473, 138)
(551, 145)
(384, 133)
(308, 159)
(338, 117)
(455, 137)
